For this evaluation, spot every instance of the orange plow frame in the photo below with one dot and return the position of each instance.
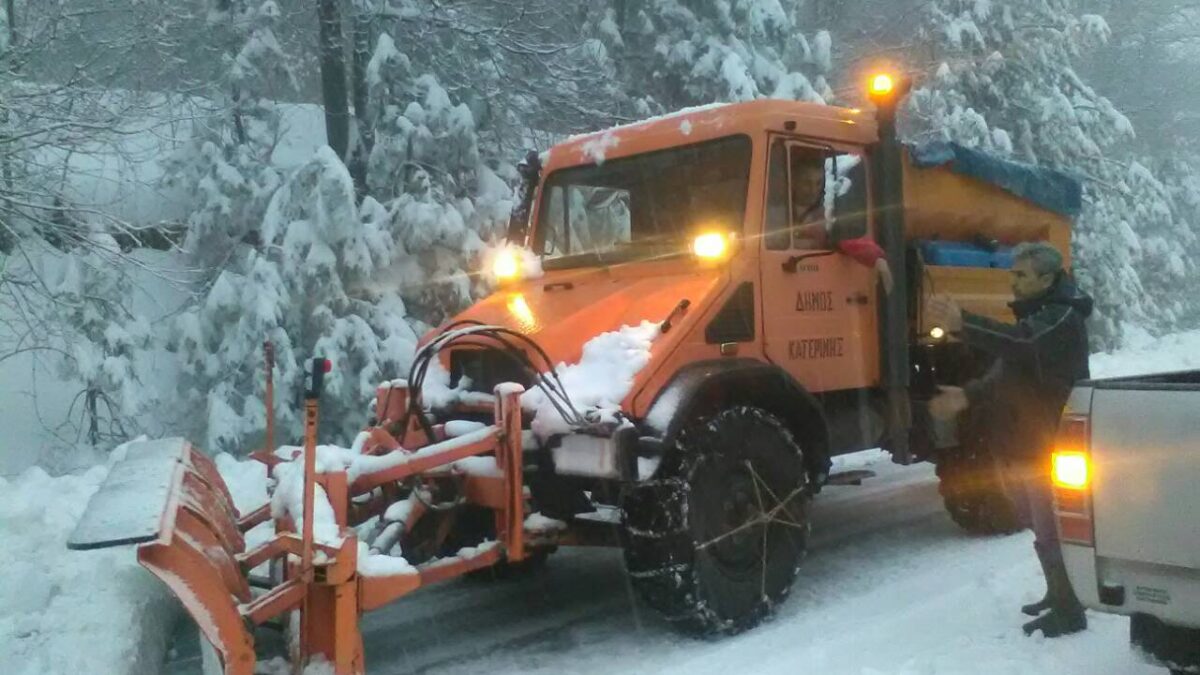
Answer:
(199, 551)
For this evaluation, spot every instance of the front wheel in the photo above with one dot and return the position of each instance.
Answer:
(716, 543)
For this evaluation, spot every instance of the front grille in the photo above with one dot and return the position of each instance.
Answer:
(484, 369)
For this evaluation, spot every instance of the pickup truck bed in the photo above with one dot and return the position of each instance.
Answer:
(1143, 447)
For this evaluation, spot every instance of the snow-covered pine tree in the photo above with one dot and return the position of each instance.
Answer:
(1175, 240)
(224, 168)
(523, 67)
(226, 173)
(333, 277)
(309, 289)
(1003, 80)
(443, 201)
(676, 53)
(93, 296)
(70, 303)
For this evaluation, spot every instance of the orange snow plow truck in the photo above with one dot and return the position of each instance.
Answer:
(693, 315)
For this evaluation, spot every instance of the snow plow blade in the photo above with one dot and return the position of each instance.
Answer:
(168, 498)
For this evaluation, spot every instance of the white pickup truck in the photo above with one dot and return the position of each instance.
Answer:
(1127, 499)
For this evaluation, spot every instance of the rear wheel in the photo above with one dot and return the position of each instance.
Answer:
(1176, 647)
(716, 542)
(972, 488)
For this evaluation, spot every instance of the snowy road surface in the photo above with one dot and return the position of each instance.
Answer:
(891, 585)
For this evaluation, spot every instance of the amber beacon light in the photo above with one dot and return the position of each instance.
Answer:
(882, 84)
(885, 89)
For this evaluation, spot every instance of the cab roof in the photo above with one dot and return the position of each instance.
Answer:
(694, 125)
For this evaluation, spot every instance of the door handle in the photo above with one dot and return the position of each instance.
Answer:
(558, 286)
(857, 299)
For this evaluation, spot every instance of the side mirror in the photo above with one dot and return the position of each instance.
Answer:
(530, 170)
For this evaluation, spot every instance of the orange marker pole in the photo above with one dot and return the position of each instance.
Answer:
(269, 352)
(310, 470)
(312, 394)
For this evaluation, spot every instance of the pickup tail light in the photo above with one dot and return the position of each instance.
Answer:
(1071, 470)
(1072, 474)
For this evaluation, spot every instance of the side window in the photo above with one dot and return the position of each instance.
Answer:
(555, 241)
(846, 202)
(809, 178)
(828, 195)
(777, 228)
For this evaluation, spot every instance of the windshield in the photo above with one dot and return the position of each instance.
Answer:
(643, 206)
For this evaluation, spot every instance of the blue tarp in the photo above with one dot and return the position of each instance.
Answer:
(1049, 189)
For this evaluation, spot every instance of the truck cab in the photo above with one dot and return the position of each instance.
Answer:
(699, 217)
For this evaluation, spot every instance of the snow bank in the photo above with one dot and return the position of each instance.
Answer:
(860, 460)
(1145, 355)
(67, 611)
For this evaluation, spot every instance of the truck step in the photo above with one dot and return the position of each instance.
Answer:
(855, 477)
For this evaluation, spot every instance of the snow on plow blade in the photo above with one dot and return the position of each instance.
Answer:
(166, 496)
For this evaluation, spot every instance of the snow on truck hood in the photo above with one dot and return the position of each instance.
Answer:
(600, 328)
(565, 309)
(596, 384)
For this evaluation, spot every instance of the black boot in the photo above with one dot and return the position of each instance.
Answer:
(1036, 608)
(1066, 614)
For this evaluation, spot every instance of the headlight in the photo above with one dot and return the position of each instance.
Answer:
(710, 246)
(506, 266)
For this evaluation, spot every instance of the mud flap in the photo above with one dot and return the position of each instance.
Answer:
(168, 498)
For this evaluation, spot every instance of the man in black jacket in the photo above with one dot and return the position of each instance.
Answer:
(1038, 360)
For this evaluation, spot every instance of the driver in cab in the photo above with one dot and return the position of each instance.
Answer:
(815, 219)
